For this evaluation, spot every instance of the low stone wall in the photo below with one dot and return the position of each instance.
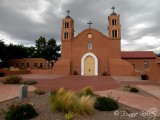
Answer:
(62, 66)
(119, 67)
(40, 71)
(7, 72)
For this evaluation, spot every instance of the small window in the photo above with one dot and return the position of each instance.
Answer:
(27, 64)
(41, 65)
(114, 22)
(66, 25)
(35, 64)
(89, 46)
(66, 35)
(16, 64)
(22, 64)
(114, 33)
(145, 64)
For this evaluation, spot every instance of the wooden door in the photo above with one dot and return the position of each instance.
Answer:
(89, 66)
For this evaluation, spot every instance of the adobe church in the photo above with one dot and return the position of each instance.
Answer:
(92, 52)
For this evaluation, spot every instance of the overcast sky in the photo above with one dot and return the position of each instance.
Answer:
(24, 21)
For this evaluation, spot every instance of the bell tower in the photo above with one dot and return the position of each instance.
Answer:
(67, 35)
(114, 27)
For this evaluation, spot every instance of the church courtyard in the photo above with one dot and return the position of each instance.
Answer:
(147, 98)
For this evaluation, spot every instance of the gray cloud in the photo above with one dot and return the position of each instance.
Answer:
(25, 21)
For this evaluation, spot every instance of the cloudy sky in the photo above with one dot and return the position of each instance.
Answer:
(24, 21)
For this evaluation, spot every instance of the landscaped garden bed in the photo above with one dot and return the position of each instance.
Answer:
(44, 108)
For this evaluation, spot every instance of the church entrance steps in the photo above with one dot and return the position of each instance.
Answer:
(133, 100)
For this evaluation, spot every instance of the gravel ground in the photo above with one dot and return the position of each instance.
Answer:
(42, 105)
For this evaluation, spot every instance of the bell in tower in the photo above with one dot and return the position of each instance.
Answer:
(114, 27)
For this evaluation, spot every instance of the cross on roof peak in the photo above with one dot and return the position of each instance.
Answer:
(113, 8)
(89, 23)
(68, 12)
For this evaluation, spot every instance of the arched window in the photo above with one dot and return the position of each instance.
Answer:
(89, 46)
(66, 36)
(114, 22)
(114, 33)
(66, 25)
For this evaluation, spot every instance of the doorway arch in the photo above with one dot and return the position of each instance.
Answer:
(90, 59)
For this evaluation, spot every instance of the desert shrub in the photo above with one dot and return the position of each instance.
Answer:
(30, 82)
(38, 91)
(104, 73)
(63, 101)
(14, 79)
(105, 103)
(127, 86)
(84, 105)
(86, 91)
(75, 73)
(133, 89)
(66, 101)
(69, 116)
(20, 112)
(53, 92)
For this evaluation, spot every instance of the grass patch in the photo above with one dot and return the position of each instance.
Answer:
(30, 82)
(66, 101)
(85, 91)
(38, 91)
(14, 79)
(131, 88)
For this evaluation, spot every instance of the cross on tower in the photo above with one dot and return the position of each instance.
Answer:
(113, 8)
(68, 12)
(89, 23)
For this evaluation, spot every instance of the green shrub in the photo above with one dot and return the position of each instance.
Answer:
(66, 101)
(30, 82)
(14, 79)
(133, 89)
(105, 103)
(86, 91)
(69, 116)
(39, 91)
(20, 112)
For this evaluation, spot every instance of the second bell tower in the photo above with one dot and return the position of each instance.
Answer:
(67, 35)
(114, 27)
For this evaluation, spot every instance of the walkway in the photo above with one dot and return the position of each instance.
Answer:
(77, 82)
(8, 92)
(151, 89)
(133, 100)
